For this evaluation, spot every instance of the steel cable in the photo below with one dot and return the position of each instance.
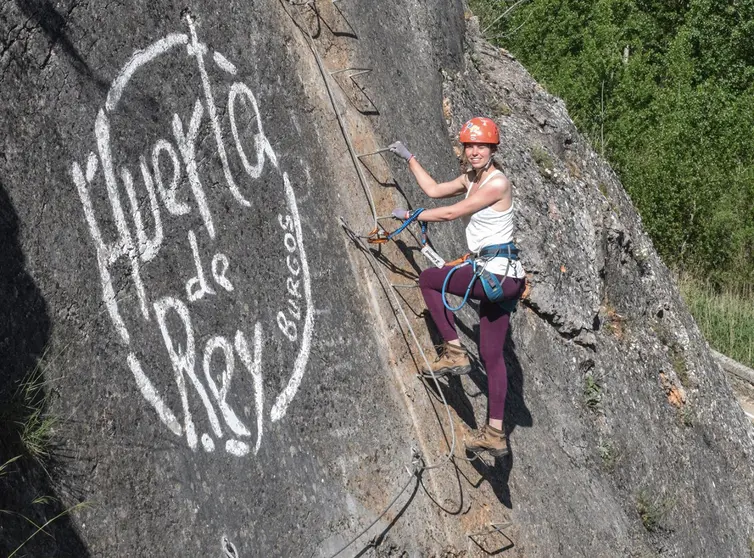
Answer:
(450, 455)
(362, 179)
(387, 285)
(414, 474)
(341, 123)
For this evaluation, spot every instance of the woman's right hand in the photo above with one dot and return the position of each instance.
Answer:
(399, 149)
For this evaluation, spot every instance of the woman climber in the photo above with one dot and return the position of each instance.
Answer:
(488, 212)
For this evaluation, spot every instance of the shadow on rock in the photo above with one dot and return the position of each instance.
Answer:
(380, 539)
(322, 20)
(53, 24)
(27, 456)
(516, 411)
(516, 414)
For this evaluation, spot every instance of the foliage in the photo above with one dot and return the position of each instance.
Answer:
(544, 161)
(666, 91)
(686, 416)
(725, 317)
(592, 393)
(608, 454)
(652, 511)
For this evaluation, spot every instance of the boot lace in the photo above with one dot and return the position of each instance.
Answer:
(479, 434)
(441, 351)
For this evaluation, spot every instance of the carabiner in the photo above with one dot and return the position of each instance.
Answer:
(378, 236)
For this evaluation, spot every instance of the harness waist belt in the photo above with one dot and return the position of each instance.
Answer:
(507, 250)
(491, 284)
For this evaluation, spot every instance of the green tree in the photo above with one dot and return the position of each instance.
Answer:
(666, 90)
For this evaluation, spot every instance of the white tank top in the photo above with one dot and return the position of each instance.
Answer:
(487, 227)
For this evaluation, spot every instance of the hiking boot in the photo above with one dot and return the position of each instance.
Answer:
(451, 360)
(487, 439)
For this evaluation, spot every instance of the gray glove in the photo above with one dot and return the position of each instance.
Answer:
(400, 213)
(399, 149)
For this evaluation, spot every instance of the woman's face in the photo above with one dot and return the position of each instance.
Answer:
(478, 154)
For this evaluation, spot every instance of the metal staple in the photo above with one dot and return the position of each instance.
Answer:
(344, 130)
(418, 465)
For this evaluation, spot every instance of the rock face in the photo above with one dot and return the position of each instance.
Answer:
(233, 371)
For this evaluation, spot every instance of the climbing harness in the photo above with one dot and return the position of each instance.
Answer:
(490, 283)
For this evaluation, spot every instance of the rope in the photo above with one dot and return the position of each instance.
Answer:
(380, 235)
(468, 289)
(407, 222)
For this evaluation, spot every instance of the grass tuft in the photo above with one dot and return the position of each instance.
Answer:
(4, 466)
(686, 416)
(592, 393)
(503, 109)
(544, 161)
(612, 322)
(652, 511)
(726, 317)
(35, 424)
(608, 454)
(37, 433)
(681, 368)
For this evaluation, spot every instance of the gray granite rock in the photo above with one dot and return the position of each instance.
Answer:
(233, 375)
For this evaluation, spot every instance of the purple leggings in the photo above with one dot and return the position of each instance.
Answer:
(493, 323)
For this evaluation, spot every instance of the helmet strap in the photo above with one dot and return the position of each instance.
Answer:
(489, 164)
(484, 169)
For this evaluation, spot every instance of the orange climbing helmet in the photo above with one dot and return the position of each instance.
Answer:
(479, 130)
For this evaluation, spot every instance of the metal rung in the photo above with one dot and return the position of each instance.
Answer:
(495, 527)
(373, 152)
(358, 70)
(361, 72)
